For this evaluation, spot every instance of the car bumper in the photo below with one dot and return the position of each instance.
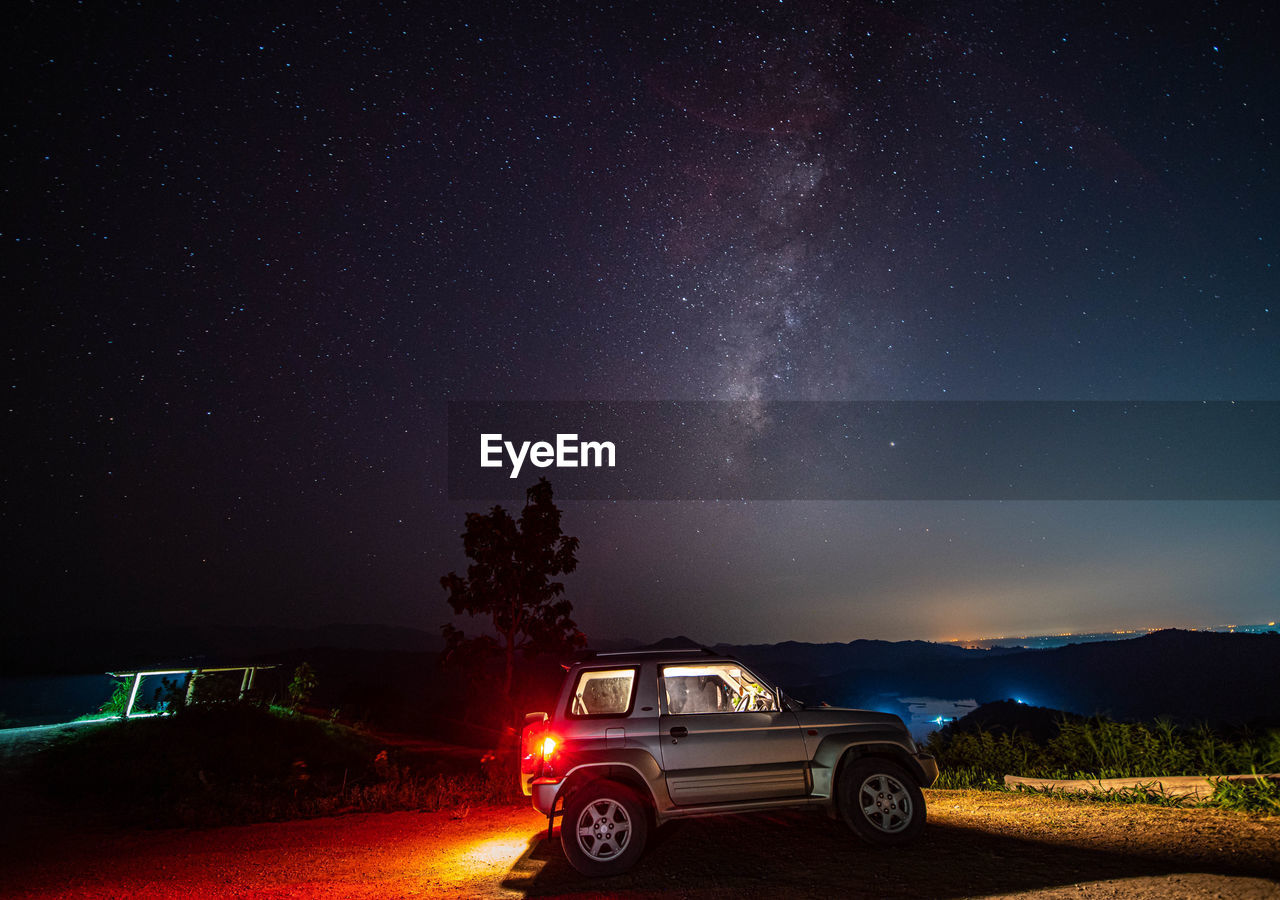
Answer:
(928, 769)
(545, 791)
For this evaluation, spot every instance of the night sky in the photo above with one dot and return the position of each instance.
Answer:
(254, 249)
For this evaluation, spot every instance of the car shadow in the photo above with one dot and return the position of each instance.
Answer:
(803, 854)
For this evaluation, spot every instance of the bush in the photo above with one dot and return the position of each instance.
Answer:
(119, 700)
(233, 763)
(1100, 748)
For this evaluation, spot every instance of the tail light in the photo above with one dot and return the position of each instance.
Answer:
(535, 744)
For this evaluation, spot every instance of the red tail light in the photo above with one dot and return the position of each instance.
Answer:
(535, 744)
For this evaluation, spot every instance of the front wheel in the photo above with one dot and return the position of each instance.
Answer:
(604, 828)
(881, 802)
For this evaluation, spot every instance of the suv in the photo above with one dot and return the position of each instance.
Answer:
(640, 738)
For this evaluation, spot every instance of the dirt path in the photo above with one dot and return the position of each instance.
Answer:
(977, 845)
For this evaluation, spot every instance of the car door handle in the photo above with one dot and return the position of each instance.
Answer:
(679, 731)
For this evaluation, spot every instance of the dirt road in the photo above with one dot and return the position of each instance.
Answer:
(977, 845)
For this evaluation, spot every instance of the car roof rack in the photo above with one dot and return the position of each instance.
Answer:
(656, 650)
(661, 651)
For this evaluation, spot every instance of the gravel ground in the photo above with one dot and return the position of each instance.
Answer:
(977, 845)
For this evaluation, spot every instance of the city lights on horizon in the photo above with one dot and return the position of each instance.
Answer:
(974, 643)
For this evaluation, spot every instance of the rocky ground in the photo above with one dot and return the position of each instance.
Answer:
(978, 844)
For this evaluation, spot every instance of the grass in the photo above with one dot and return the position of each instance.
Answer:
(1099, 748)
(1139, 793)
(1258, 797)
(229, 763)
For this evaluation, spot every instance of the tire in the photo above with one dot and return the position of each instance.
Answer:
(881, 802)
(604, 829)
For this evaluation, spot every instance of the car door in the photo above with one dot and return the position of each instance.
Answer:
(724, 737)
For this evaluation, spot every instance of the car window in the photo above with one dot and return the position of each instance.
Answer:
(694, 689)
(603, 692)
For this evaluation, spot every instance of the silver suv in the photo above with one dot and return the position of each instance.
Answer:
(637, 739)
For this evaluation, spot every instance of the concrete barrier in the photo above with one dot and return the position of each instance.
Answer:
(1196, 787)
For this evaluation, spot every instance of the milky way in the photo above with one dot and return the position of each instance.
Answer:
(253, 252)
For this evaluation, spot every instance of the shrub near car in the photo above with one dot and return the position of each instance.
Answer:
(637, 739)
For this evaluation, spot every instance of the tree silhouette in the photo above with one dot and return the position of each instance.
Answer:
(303, 684)
(509, 582)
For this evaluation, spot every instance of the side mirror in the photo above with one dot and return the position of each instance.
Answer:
(790, 704)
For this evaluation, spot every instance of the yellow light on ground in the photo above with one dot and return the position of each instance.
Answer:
(500, 851)
(493, 856)
(480, 851)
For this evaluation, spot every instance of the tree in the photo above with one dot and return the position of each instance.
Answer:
(303, 684)
(509, 582)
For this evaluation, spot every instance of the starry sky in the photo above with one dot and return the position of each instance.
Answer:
(254, 250)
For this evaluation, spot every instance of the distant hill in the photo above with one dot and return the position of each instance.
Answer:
(680, 642)
(1011, 717)
(813, 661)
(1189, 675)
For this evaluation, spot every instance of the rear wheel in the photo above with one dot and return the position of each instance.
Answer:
(881, 802)
(604, 828)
